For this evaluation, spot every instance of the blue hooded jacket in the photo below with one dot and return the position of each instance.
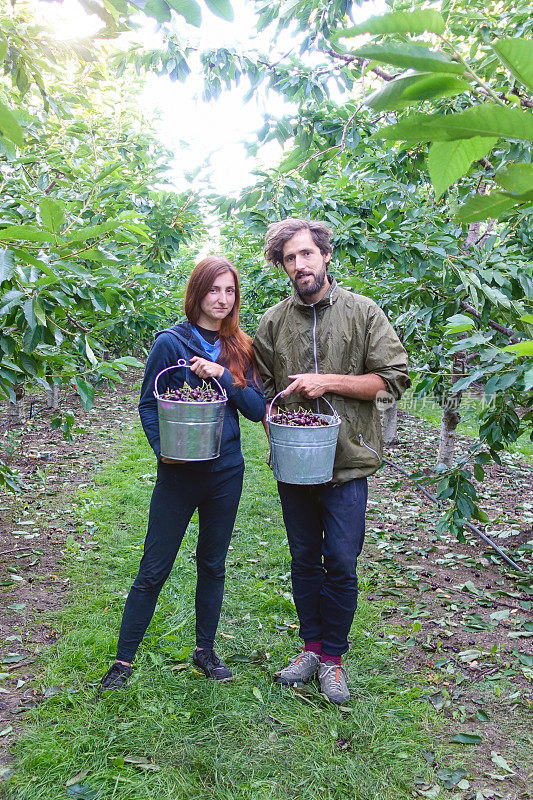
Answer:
(180, 342)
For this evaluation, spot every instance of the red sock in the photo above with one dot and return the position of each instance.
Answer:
(335, 659)
(314, 647)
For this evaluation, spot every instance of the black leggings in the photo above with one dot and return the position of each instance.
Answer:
(178, 492)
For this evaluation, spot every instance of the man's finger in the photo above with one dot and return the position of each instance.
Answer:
(290, 389)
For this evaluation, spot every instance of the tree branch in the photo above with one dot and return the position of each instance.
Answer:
(361, 62)
(513, 335)
(523, 100)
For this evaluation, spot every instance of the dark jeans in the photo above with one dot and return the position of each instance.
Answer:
(326, 529)
(178, 492)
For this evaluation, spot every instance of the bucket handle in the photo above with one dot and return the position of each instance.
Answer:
(183, 364)
(269, 415)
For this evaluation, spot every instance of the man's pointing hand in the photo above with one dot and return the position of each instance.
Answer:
(307, 383)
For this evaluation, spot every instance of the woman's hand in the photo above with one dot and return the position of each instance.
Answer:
(206, 369)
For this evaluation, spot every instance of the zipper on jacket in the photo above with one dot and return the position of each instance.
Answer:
(315, 355)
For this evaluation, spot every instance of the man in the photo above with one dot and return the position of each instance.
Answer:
(325, 341)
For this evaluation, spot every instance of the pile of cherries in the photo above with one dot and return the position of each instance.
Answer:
(299, 419)
(200, 394)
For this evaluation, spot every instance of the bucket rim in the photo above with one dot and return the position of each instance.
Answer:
(335, 413)
(335, 421)
(183, 364)
(162, 399)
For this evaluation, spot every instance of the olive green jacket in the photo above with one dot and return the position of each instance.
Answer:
(344, 333)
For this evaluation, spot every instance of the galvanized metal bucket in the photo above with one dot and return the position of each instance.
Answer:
(189, 431)
(303, 455)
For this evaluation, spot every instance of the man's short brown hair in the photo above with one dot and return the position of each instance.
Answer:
(280, 232)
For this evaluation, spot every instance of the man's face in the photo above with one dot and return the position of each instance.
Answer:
(306, 266)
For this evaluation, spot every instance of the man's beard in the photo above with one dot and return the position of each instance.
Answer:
(308, 291)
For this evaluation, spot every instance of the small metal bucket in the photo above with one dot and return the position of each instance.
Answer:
(303, 455)
(189, 431)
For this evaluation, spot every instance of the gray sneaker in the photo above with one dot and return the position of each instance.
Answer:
(332, 679)
(301, 669)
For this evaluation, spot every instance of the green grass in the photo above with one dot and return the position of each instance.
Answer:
(471, 405)
(249, 739)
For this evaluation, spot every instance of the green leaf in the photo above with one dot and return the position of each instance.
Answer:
(189, 10)
(29, 364)
(528, 379)
(479, 473)
(38, 311)
(9, 126)
(479, 514)
(9, 364)
(520, 348)
(413, 88)
(107, 171)
(488, 120)
(516, 178)
(130, 361)
(31, 338)
(52, 214)
(257, 694)
(410, 56)
(82, 791)
(86, 393)
(517, 55)
(12, 658)
(527, 318)
(7, 265)
(500, 762)
(3, 48)
(157, 9)
(466, 738)
(94, 8)
(222, 8)
(449, 161)
(93, 231)
(29, 314)
(27, 232)
(400, 22)
(499, 383)
(90, 354)
(451, 778)
(10, 299)
(459, 323)
(482, 206)
(77, 778)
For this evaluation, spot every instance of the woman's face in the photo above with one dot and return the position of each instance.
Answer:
(218, 302)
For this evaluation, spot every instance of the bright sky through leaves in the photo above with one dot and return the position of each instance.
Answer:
(207, 135)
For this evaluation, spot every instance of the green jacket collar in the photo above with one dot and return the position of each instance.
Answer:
(327, 300)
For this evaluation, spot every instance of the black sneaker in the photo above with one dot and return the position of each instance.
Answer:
(115, 677)
(211, 665)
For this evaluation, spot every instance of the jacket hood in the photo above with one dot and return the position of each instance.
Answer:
(184, 332)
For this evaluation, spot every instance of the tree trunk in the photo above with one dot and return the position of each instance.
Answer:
(450, 414)
(52, 398)
(448, 426)
(389, 425)
(16, 409)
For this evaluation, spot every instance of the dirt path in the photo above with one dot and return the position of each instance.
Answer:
(461, 618)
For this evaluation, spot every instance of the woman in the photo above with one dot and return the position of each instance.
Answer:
(212, 342)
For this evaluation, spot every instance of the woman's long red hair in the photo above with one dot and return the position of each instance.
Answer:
(236, 351)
